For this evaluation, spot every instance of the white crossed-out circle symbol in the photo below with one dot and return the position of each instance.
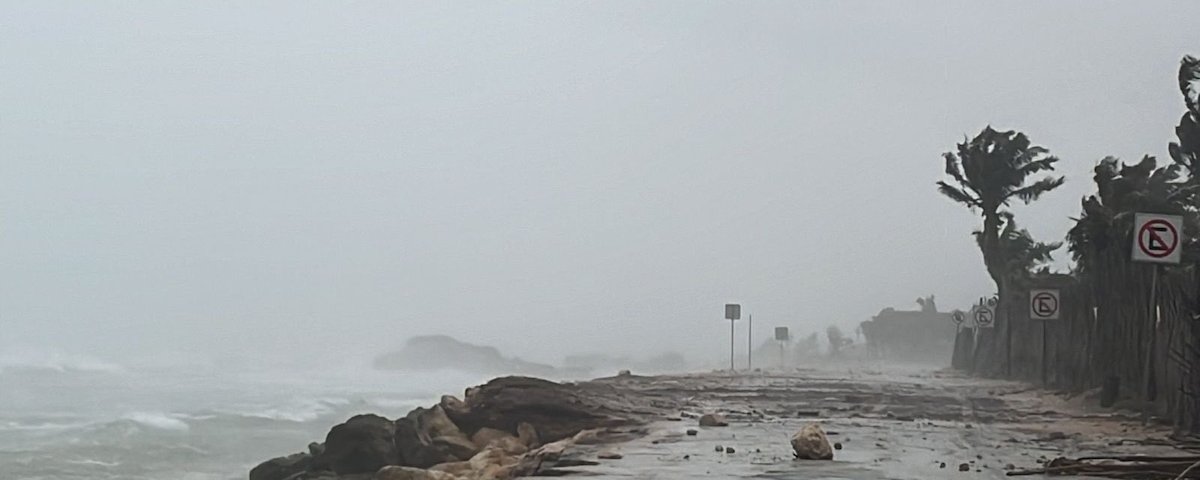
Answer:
(1158, 238)
(1045, 304)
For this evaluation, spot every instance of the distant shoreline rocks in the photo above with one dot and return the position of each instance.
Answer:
(437, 352)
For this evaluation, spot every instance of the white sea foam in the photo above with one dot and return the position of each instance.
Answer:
(94, 462)
(41, 426)
(157, 420)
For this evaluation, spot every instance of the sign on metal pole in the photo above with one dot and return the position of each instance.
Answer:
(1044, 304)
(781, 334)
(984, 314)
(959, 317)
(1157, 238)
(733, 311)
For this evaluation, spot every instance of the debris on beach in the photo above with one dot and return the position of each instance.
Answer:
(1120, 466)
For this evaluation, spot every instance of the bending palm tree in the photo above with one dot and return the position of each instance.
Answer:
(986, 174)
(989, 172)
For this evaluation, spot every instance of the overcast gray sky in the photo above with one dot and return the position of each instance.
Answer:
(548, 177)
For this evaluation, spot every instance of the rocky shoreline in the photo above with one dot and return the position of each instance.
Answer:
(898, 423)
(509, 427)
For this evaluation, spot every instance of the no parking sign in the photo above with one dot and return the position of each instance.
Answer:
(1156, 238)
(1044, 304)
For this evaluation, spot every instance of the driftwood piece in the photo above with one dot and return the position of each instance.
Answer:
(1121, 466)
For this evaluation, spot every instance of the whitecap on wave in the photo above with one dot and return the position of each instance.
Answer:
(298, 411)
(159, 421)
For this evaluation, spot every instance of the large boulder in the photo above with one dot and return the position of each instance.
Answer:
(810, 443)
(282, 467)
(553, 410)
(364, 444)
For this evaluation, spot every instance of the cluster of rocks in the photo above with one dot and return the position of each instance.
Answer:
(810, 443)
(509, 427)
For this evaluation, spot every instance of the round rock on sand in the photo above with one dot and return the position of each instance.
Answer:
(713, 420)
(810, 443)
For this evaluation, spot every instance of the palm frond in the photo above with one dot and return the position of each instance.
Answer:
(1032, 192)
(958, 195)
(1035, 166)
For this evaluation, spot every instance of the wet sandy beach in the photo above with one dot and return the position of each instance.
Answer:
(902, 423)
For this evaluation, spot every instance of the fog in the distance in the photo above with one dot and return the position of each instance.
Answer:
(242, 181)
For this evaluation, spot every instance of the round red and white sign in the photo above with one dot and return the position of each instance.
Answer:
(1157, 238)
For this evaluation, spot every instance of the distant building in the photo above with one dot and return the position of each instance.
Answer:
(924, 335)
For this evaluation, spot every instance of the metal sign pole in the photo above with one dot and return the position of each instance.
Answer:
(731, 346)
(733, 311)
(1151, 342)
(1045, 357)
(750, 343)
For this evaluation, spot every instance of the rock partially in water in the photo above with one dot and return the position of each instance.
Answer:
(810, 443)
(282, 467)
(363, 444)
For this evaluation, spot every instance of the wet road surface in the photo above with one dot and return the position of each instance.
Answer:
(899, 423)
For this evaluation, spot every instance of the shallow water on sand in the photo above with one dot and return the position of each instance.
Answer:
(69, 420)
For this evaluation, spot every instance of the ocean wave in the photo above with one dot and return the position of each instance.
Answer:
(299, 411)
(50, 426)
(158, 421)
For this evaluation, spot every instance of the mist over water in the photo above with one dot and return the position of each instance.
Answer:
(214, 216)
(65, 417)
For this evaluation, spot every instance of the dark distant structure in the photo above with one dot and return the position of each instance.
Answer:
(920, 335)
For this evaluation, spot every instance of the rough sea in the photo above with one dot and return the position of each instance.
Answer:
(66, 417)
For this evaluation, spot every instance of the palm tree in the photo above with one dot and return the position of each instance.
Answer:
(987, 174)
(1106, 224)
(1099, 243)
